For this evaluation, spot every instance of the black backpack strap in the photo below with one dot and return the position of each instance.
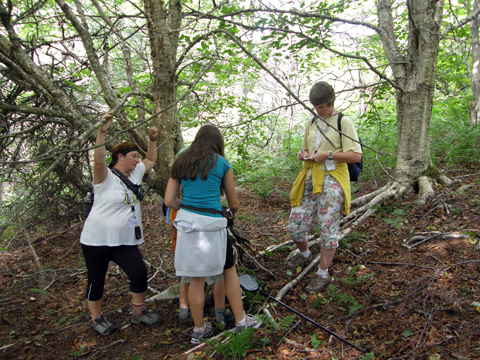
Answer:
(339, 123)
(127, 182)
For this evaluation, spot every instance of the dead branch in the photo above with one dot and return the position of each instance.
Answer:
(421, 239)
(299, 278)
(255, 261)
(289, 331)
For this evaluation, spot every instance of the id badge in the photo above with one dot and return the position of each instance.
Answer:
(131, 222)
(330, 165)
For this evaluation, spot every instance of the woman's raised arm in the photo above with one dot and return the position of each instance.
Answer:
(100, 167)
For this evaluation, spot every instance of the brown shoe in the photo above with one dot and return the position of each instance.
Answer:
(299, 260)
(318, 283)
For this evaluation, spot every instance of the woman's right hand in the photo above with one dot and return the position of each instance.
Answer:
(302, 155)
(104, 127)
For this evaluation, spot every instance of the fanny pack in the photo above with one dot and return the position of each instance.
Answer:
(226, 213)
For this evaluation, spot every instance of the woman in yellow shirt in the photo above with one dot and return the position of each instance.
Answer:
(323, 184)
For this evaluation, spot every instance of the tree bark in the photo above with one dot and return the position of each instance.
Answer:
(414, 73)
(164, 29)
(474, 28)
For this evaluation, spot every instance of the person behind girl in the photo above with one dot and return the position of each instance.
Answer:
(113, 229)
(223, 317)
(202, 246)
(323, 184)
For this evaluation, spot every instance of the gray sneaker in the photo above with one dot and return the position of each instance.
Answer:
(318, 283)
(198, 336)
(147, 318)
(185, 321)
(103, 326)
(299, 260)
(252, 322)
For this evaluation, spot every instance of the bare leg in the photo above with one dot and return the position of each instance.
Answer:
(95, 308)
(234, 294)
(183, 295)
(219, 294)
(326, 258)
(196, 298)
(302, 246)
(138, 298)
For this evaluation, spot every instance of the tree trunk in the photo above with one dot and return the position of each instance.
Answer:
(163, 28)
(474, 28)
(414, 73)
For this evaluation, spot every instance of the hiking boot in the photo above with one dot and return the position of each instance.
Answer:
(185, 321)
(198, 336)
(318, 283)
(103, 326)
(252, 322)
(228, 321)
(299, 260)
(147, 318)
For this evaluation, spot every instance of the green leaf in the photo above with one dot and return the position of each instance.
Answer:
(407, 333)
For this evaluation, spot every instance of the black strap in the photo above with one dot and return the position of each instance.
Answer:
(339, 124)
(208, 211)
(131, 186)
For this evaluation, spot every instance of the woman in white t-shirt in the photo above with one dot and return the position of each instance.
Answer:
(113, 229)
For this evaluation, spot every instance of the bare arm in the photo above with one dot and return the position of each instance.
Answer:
(152, 153)
(171, 199)
(345, 157)
(229, 187)
(100, 168)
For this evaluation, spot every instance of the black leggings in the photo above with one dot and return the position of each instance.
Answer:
(230, 260)
(125, 256)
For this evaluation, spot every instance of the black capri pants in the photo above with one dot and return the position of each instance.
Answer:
(128, 257)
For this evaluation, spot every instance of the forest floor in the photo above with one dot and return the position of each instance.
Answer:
(395, 302)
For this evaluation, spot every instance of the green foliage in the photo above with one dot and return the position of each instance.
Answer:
(286, 322)
(236, 345)
(40, 291)
(351, 239)
(352, 280)
(455, 140)
(315, 342)
(333, 294)
(79, 353)
(262, 167)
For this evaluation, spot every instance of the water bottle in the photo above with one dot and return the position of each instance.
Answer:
(87, 204)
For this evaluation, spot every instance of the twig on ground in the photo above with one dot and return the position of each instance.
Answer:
(289, 331)
(396, 264)
(295, 281)
(255, 261)
(6, 347)
(445, 236)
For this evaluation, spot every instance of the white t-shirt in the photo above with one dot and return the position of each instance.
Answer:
(112, 221)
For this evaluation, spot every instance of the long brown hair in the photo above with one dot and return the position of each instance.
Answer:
(201, 156)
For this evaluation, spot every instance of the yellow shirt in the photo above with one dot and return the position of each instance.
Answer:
(317, 171)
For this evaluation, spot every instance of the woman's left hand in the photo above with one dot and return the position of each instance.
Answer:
(152, 132)
(320, 157)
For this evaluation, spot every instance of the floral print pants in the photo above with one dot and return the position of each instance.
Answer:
(327, 205)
